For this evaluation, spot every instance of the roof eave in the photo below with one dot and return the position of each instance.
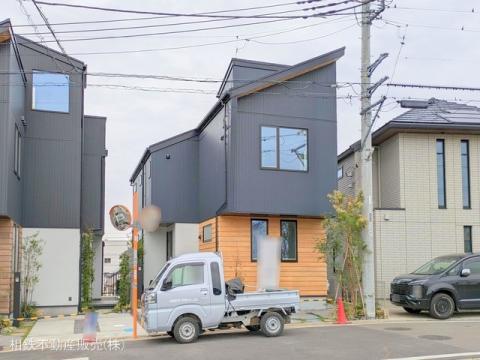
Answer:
(288, 73)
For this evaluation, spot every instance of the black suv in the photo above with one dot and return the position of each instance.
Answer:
(442, 286)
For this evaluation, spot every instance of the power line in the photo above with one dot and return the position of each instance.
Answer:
(471, 11)
(205, 15)
(161, 17)
(170, 24)
(438, 87)
(187, 30)
(240, 38)
(42, 15)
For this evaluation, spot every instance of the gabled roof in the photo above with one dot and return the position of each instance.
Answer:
(6, 34)
(433, 115)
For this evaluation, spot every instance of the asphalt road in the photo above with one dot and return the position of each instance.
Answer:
(378, 341)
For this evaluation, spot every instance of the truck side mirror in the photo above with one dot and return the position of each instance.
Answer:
(465, 272)
(167, 285)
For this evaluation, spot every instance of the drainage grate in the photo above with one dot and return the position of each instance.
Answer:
(435, 337)
(398, 328)
(78, 326)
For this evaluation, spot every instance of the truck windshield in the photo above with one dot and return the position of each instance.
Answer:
(437, 265)
(154, 283)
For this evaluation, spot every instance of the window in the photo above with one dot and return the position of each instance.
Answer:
(207, 233)
(441, 184)
(465, 173)
(288, 231)
(259, 231)
(467, 239)
(216, 281)
(108, 260)
(50, 91)
(186, 274)
(340, 173)
(473, 265)
(17, 157)
(284, 148)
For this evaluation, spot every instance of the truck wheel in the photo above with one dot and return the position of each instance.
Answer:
(252, 328)
(186, 330)
(272, 324)
(411, 311)
(442, 306)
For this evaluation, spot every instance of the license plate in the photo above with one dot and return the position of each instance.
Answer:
(396, 298)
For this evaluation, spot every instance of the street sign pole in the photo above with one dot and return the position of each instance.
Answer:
(135, 280)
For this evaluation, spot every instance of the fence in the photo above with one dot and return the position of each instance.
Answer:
(110, 284)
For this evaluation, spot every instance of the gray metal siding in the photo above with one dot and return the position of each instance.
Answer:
(52, 149)
(93, 173)
(11, 109)
(211, 159)
(347, 183)
(175, 185)
(283, 192)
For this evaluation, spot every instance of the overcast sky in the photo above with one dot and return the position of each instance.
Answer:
(435, 51)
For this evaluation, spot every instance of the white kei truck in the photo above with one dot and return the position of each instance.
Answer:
(189, 295)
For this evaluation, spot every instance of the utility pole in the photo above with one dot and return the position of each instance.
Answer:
(368, 273)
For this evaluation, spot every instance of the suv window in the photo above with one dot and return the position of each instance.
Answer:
(186, 274)
(473, 265)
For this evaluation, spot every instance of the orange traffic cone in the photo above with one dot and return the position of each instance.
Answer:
(341, 318)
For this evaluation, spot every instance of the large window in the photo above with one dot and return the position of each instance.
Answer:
(284, 148)
(465, 173)
(186, 274)
(288, 231)
(207, 233)
(17, 158)
(467, 239)
(259, 232)
(441, 183)
(50, 91)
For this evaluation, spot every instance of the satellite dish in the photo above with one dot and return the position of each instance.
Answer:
(120, 217)
(150, 218)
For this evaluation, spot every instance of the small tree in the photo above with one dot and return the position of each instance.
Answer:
(32, 249)
(344, 248)
(87, 274)
(124, 282)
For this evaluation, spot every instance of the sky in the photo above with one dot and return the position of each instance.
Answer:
(428, 42)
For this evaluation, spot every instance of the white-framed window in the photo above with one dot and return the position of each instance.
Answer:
(207, 233)
(108, 260)
(50, 91)
(283, 148)
(17, 165)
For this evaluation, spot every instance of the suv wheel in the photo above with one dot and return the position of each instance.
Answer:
(272, 324)
(186, 330)
(412, 311)
(442, 306)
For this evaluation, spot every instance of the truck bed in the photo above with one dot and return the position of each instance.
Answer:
(265, 300)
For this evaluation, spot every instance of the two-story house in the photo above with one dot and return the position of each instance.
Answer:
(426, 185)
(261, 162)
(52, 163)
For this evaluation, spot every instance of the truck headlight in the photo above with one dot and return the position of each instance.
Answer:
(151, 298)
(417, 291)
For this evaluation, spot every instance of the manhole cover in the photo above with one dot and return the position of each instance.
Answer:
(398, 328)
(435, 337)
(78, 326)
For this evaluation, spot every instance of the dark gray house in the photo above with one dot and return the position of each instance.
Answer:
(261, 162)
(51, 168)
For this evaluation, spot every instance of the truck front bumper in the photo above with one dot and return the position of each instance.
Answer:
(409, 302)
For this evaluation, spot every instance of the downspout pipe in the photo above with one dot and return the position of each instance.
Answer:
(224, 204)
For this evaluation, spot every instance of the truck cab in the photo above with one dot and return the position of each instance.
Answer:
(189, 295)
